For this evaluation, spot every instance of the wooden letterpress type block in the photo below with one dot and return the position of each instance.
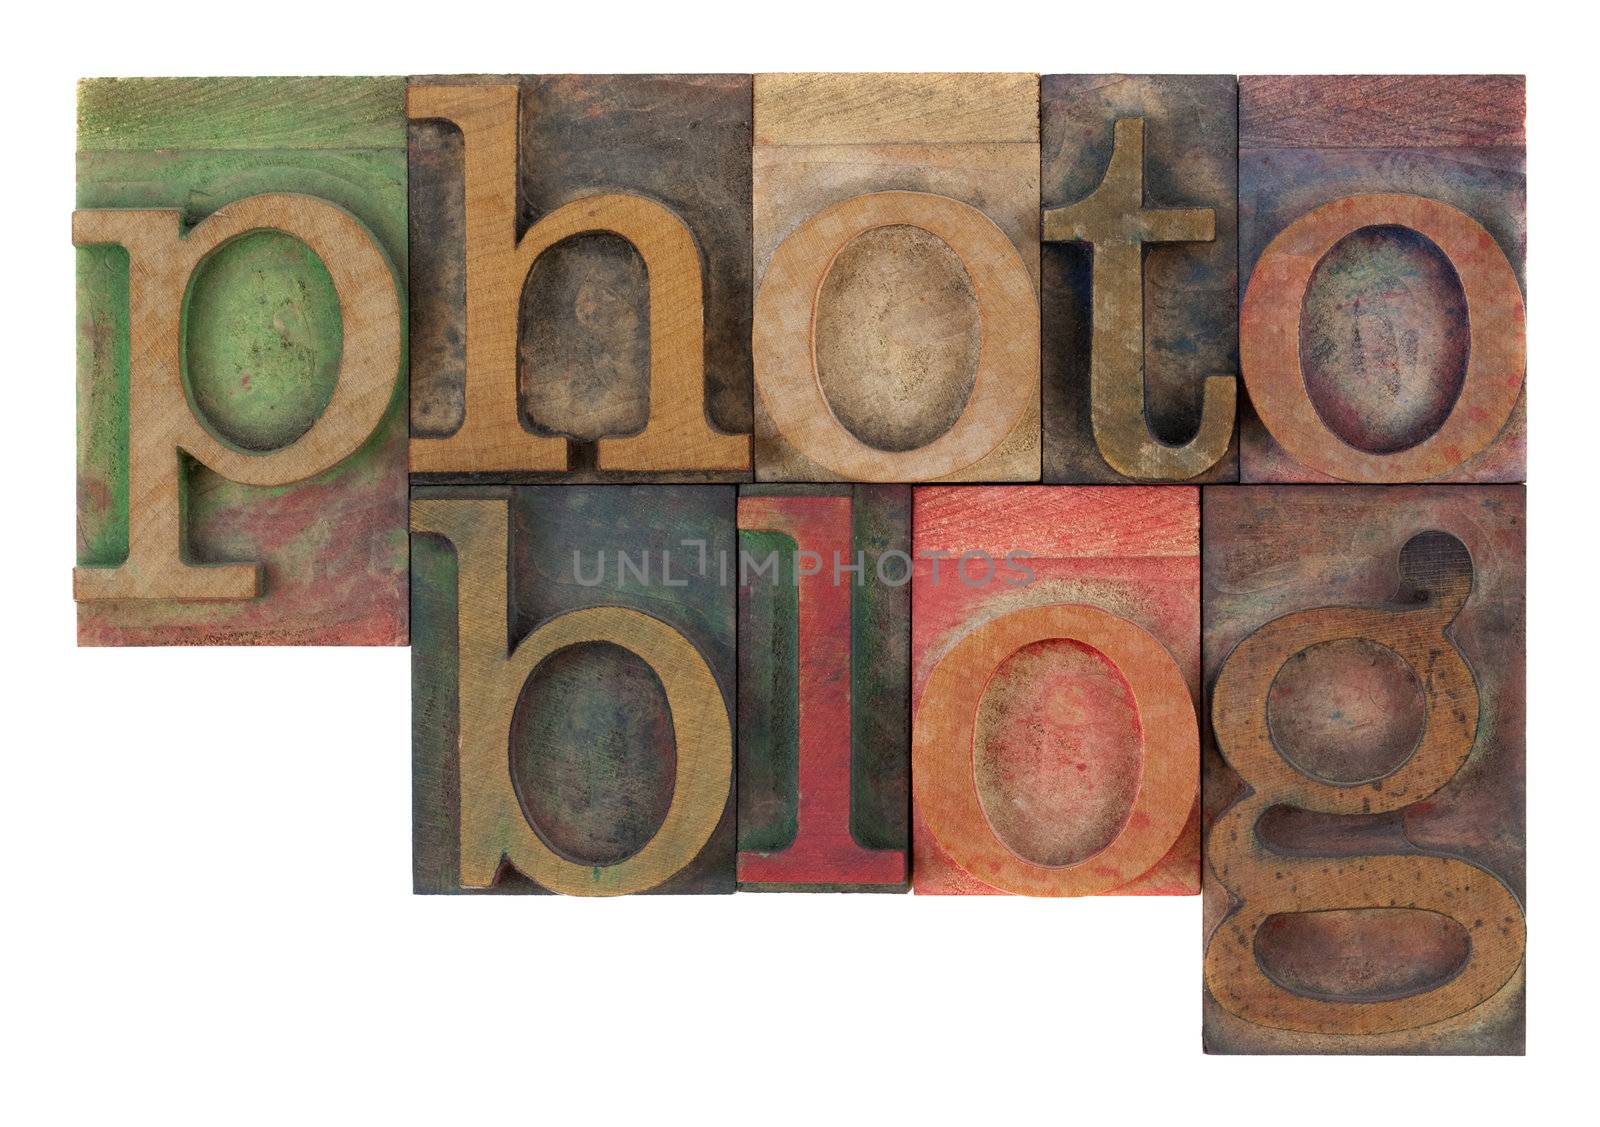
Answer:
(897, 261)
(1138, 181)
(241, 406)
(590, 629)
(1382, 239)
(580, 303)
(824, 687)
(1363, 774)
(1055, 656)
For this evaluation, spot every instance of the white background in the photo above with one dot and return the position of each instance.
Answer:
(209, 916)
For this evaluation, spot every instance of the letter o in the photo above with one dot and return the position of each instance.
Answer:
(1269, 338)
(1007, 378)
(942, 764)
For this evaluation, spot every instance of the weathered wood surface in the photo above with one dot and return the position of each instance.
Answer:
(580, 301)
(824, 687)
(1138, 182)
(1363, 772)
(614, 693)
(896, 108)
(1054, 697)
(896, 236)
(280, 376)
(1382, 339)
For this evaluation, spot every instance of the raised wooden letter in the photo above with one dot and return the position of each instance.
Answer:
(1365, 830)
(161, 423)
(896, 330)
(1382, 232)
(1139, 344)
(824, 644)
(643, 422)
(1055, 657)
(259, 348)
(620, 772)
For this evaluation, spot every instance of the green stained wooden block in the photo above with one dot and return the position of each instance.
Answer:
(262, 339)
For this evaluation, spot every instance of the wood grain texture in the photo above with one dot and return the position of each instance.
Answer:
(1383, 111)
(1292, 396)
(1138, 181)
(160, 423)
(896, 318)
(236, 114)
(613, 693)
(870, 109)
(1363, 771)
(824, 720)
(1054, 736)
(266, 344)
(581, 302)
(1387, 322)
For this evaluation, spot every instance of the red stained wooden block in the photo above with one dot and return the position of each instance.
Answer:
(1055, 675)
(823, 651)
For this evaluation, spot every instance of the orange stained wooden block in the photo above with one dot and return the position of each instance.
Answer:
(1055, 681)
